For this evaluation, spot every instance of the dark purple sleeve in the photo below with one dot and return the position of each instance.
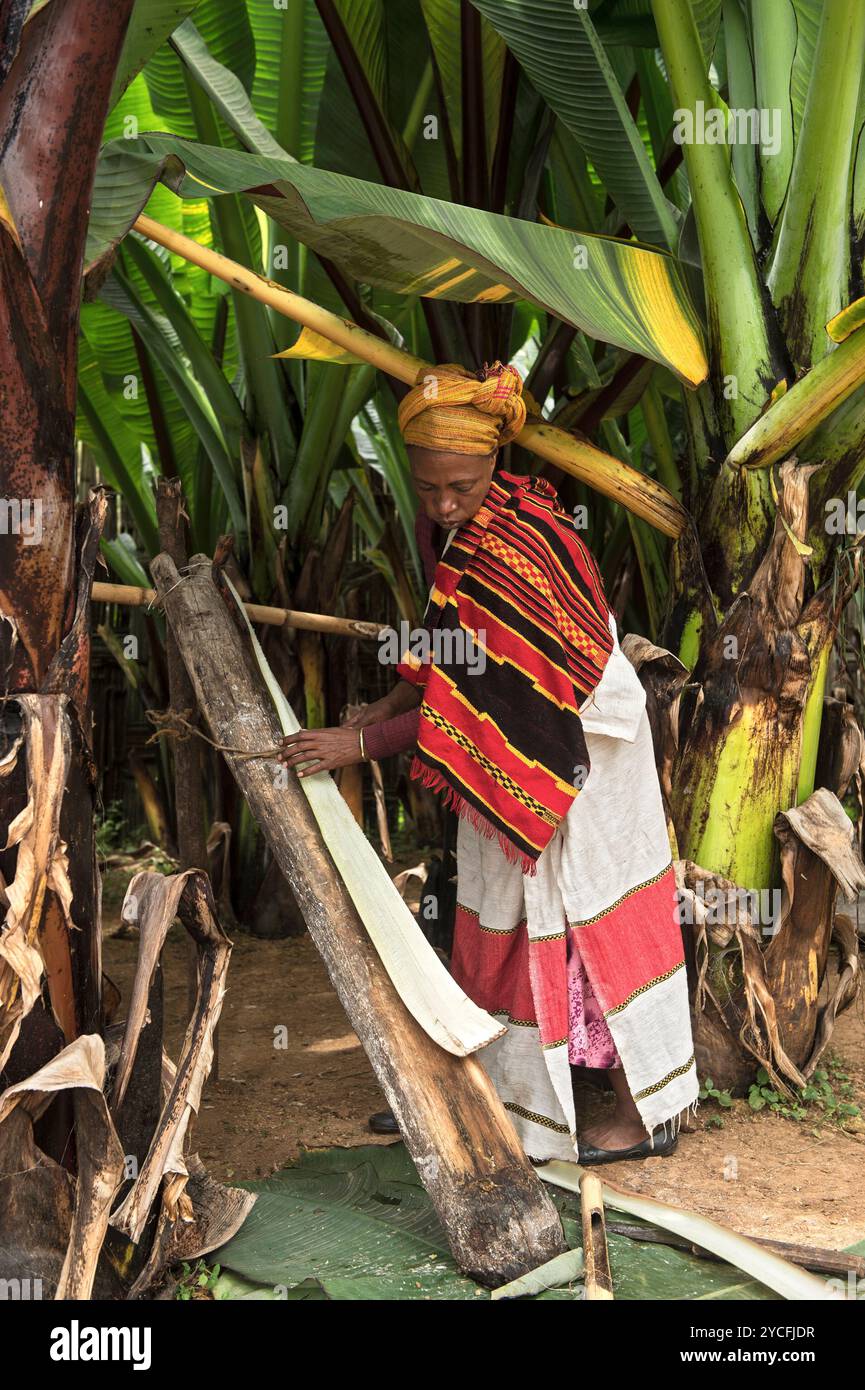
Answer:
(391, 736)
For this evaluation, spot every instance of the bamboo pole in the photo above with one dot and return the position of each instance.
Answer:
(597, 1276)
(641, 495)
(131, 597)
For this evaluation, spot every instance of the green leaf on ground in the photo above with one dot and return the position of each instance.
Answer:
(357, 1224)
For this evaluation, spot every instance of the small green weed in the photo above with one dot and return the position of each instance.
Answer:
(196, 1281)
(829, 1091)
(709, 1091)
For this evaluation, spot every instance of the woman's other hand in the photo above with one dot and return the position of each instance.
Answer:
(322, 749)
(366, 714)
(403, 697)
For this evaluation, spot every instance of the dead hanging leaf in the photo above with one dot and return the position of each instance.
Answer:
(800, 546)
(761, 1010)
(219, 863)
(220, 834)
(151, 904)
(218, 1212)
(157, 901)
(381, 810)
(37, 1200)
(722, 912)
(820, 823)
(819, 853)
(401, 880)
(663, 677)
(41, 874)
(842, 747)
(79, 1068)
(778, 585)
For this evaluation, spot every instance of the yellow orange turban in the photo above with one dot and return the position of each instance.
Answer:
(463, 412)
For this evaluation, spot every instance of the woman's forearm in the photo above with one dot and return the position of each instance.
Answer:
(391, 736)
(403, 697)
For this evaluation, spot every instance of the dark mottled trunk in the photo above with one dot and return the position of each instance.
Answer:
(57, 73)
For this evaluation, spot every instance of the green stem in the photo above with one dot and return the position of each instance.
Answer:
(738, 331)
(659, 436)
(810, 272)
(811, 722)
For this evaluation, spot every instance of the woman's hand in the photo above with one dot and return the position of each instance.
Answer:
(368, 714)
(323, 749)
(404, 696)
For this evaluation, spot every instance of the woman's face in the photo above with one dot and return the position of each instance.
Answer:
(451, 487)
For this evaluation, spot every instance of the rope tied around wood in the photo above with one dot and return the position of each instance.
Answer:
(176, 725)
(185, 573)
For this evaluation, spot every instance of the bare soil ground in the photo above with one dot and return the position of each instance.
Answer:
(292, 1075)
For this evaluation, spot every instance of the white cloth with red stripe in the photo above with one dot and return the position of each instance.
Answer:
(608, 869)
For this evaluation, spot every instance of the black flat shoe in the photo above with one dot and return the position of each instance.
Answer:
(664, 1145)
(384, 1122)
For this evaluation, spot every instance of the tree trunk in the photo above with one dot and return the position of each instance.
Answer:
(746, 750)
(499, 1220)
(57, 72)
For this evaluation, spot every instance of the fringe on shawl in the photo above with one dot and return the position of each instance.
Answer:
(675, 1121)
(464, 809)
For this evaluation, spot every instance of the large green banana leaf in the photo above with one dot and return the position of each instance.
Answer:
(162, 343)
(150, 24)
(101, 425)
(616, 291)
(358, 1223)
(134, 112)
(226, 91)
(560, 51)
(810, 274)
(226, 31)
(291, 51)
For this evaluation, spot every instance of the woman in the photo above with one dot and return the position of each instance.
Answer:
(566, 923)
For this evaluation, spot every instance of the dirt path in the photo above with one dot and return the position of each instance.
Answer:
(293, 1075)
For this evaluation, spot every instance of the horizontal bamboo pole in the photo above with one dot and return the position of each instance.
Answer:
(131, 597)
(641, 495)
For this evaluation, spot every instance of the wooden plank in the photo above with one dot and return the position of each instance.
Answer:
(499, 1220)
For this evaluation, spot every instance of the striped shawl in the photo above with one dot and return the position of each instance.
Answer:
(504, 743)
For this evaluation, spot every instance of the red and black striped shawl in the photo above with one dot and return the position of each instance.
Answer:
(501, 737)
